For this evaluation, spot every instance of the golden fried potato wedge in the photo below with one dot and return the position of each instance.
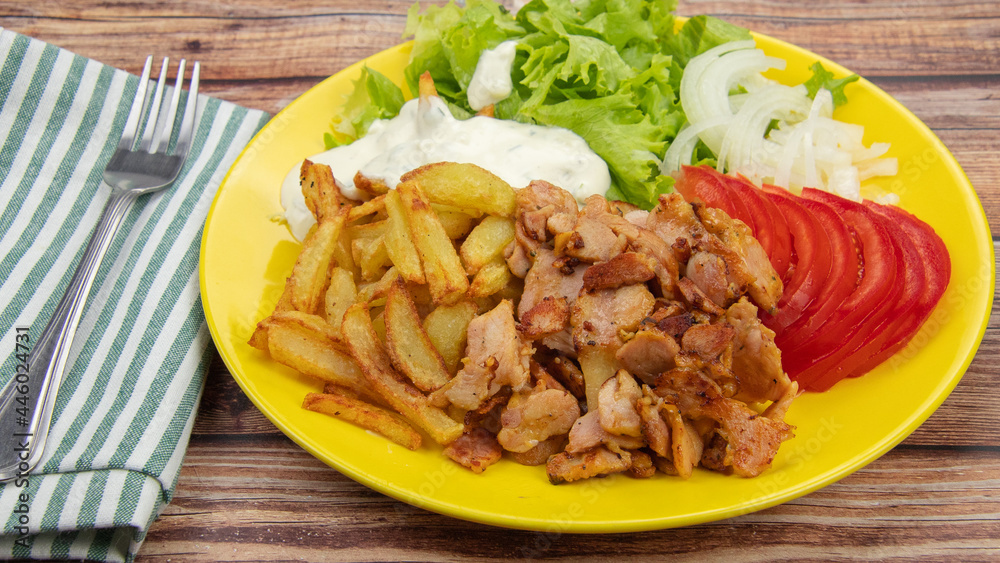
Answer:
(365, 415)
(465, 186)
(492, 278)
(259, 337)
(370, 292)
(370, 207)
(457, 224)
(446, 327)
(399, 240)
(442, 266)
(425, 86)
(307, 344)
(321, 193)
(368, 231)
(371, 186)
(486, 242)
(401, 395)
(372, 256)
(410, 348)
(309, 277)
(342, 256)
(341, 294)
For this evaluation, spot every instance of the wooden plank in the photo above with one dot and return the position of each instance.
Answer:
(948, 102)
(927, 502)
(299, 41)
(230, 49)
(961, 33)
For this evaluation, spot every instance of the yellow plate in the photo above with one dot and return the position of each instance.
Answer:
(246, 255)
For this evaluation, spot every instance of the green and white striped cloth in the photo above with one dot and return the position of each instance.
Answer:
(124, 413)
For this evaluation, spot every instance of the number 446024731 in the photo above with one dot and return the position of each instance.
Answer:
(22, 349)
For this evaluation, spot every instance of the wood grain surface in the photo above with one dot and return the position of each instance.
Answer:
(246, 492)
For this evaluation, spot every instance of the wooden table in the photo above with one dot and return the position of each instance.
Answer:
(247, 492)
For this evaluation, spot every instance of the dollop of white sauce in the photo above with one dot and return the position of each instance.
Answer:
(491, 82)
(425, 132)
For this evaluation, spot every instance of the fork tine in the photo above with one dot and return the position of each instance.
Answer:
(132, 122)
(154, 108)
(187, 124)
(165, 127)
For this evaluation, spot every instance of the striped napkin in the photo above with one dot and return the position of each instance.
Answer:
(124, 413)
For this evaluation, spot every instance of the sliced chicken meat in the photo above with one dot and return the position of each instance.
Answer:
(476, 449)
(531, 418)
(765, 286)
(617, 405)
(751, 440)
(756, 359)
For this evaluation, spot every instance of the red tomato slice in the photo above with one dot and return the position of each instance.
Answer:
(843, 279)
(863, 348)
(812, 260)
(932, 257)
(704, 184)
(858, 315)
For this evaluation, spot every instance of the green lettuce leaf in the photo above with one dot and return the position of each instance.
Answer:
(700, 34)
(374, 97)
(447, 42)
(625, 137)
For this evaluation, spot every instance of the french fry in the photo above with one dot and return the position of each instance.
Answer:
(440, 208)
(321, 193)
(310, 191)
(486, 242)
(365, 415)
(401, 395)
(368, 231)
(370, 207)
(465, 186)
(425, 86)
(307, 344)
(491, 279)
(399, 241)
(378, 289)
(410, 348)
(371, 255)
(371, 186)
(446, 327)
(341, 294)
(309, 275)
(342, 254)
(259, 337)
(378, 323)
(442, 266)
(456, 223)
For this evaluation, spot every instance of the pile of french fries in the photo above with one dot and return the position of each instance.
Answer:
(380, 298)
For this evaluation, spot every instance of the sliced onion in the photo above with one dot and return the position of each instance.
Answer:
(808, 148)
(681, 148)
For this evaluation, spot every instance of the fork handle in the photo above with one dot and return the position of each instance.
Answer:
(27, 402)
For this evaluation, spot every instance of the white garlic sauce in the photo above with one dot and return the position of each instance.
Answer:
(425, 132)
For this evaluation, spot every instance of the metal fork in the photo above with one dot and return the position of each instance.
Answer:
(137, 167)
